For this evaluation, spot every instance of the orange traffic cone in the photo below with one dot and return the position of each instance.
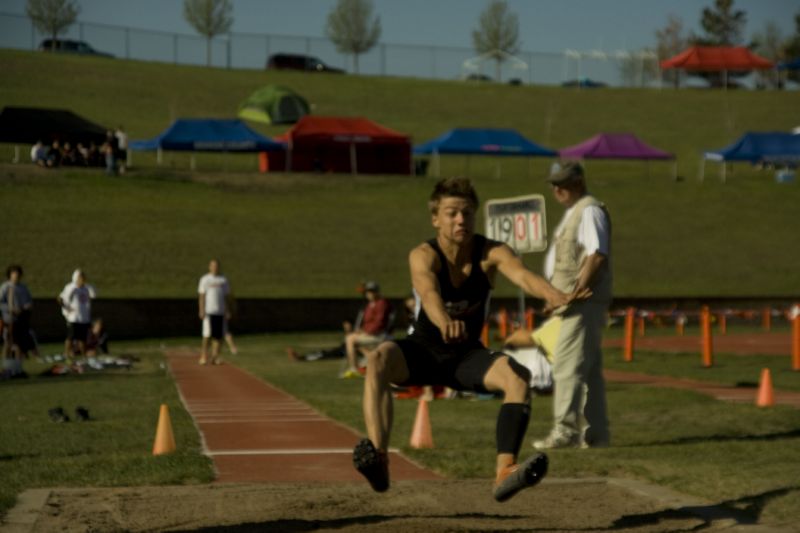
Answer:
(165, 440)
(765, 396)
(421, 436)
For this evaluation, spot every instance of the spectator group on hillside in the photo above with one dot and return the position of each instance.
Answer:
(112, 153)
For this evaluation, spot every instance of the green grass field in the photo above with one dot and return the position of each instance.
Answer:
(735, 454)
(114, 447)
(151, 233)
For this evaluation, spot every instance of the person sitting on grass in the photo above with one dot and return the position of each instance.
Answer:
(371, 329)
(98, 339)
(372, 308)
(535, 349)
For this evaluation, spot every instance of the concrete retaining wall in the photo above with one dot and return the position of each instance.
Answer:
(154, 318)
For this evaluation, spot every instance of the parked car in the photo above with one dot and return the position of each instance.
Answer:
(70, 46)
(585, 83)
(299, 62)
(477, 77)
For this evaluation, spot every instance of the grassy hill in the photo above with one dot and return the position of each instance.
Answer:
(151, 232)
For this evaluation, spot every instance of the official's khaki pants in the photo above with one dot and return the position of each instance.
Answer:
(578, 374)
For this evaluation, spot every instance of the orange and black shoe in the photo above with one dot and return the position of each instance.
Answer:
(520, 476)
(372, 464)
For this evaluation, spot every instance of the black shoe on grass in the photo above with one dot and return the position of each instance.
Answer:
(521, 476)
(57, 414)
(372, 464)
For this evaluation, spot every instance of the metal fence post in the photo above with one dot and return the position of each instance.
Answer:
(530, 68)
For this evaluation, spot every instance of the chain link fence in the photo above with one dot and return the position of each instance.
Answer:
(251, 51)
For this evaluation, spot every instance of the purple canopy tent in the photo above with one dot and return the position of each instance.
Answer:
(617, 146)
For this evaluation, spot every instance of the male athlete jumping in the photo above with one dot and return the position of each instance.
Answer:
(452, 276)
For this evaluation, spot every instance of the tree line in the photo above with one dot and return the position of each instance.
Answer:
(355, 30)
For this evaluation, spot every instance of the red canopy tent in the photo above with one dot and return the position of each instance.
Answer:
(716, 59)
(341, 144)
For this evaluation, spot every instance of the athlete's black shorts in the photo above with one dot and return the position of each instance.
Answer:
(21, 332)
(77, 331)
(458, 366)
(217, 323)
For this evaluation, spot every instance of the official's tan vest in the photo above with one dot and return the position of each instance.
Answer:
(569, 256)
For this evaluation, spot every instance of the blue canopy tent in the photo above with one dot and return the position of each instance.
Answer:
(790, 65)
(482, 141)
(777, 148)
(207, 135)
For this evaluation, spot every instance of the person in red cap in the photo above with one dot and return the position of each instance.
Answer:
(370, 329)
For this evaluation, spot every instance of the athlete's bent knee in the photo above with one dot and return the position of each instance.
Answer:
(378, 359)
(517, 379)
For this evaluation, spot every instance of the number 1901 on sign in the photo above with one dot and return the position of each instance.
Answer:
(518, 223)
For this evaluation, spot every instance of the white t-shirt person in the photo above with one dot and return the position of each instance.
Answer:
(215, 288)
(78, 303)
(592, 235)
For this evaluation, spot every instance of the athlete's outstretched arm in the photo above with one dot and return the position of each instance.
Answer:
(422, 261)
(511, 266)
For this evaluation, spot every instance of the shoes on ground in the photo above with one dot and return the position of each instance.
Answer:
(81, 413)
(516, 477)
(203, 361)
(554, 440)
(372, 464)
(216, 361)
(57, 414)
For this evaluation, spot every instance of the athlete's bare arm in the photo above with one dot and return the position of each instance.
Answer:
(510, 265)
(424, 263)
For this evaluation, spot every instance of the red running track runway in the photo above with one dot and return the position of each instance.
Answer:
(255, 432)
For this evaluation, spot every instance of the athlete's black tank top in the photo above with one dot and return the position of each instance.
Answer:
(466, 302)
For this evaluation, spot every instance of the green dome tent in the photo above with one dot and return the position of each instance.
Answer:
(273, 104)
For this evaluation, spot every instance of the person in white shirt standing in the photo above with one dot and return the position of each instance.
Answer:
(76, 306)
(579, 259)
(122, 149)
(214, 295)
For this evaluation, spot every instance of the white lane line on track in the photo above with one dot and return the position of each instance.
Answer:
(279, 451)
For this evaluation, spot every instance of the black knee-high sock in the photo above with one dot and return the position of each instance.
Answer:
(512, 422)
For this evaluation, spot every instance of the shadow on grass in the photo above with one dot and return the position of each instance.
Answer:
(49, 379)
(744, 511)
(722, 438)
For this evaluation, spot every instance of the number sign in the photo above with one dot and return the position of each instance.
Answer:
(519, 222)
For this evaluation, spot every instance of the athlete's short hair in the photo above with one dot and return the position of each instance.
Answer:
(453, 187)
